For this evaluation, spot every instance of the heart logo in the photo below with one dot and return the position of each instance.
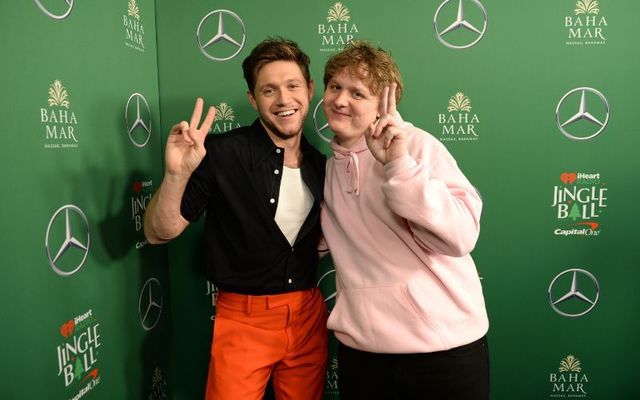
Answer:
(67, 328)
(568, 177)
(137, 187)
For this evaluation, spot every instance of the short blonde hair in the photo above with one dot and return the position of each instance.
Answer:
(373, 65)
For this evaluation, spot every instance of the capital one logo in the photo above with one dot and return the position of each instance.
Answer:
(56, 9)
(319, 123)
(221, 35)
(574, 292)
(150, 304)
(582, 113)
(67, 240)
(137, 118)
(460, 24)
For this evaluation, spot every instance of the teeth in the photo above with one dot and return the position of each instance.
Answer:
(285, 113)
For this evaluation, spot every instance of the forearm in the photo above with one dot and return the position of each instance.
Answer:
(442, 214)
(163, 220)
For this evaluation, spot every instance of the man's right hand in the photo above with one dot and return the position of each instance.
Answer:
(185, 144)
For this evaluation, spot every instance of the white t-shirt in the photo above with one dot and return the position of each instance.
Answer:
(294, 203)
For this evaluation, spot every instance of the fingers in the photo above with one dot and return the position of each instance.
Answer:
(382, 124)
(197, 113)
(388, 137)
(208, 120)
(189, 131)
(180, 128)
(384, 101)
(391, 99)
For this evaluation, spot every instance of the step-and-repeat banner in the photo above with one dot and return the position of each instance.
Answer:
(84, 305)
(536, 101)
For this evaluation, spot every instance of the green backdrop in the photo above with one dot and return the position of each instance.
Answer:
(536, 101)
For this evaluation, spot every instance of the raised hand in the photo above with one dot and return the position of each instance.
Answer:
(385, 139)
(185, 144)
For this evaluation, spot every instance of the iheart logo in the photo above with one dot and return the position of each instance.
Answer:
(137, 187)
(67, 328)
(568, 177)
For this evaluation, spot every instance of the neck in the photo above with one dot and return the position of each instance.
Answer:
(348, 143)
(291, 146)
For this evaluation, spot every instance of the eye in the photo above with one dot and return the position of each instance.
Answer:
(293, 86)
(267, 92)
(358, 95)
(334, 87)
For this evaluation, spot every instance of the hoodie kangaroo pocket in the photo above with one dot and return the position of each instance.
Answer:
(382, 319)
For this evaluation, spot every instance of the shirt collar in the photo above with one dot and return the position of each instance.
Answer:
(262, 147)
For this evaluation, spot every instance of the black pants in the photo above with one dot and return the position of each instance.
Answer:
(461, 373)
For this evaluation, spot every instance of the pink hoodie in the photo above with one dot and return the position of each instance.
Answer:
(400, 236)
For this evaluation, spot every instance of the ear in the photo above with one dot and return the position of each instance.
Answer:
(252, 100)
(311, 89)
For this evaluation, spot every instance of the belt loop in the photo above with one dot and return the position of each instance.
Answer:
(248, 304)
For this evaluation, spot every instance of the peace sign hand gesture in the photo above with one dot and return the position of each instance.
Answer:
(185, 144)
(385, 139)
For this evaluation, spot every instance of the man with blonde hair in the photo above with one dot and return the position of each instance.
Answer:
(400, 220)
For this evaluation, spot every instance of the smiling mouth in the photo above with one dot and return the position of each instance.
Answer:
(340, 114)
(286, 113)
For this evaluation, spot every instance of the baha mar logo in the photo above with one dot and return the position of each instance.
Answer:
(224, 120)
(570, 381)
(579, 201)
(459, 124)
(78, 354)
(133, 28)
(58, 120)
(331, 384)
(586, 26)
(339, 29)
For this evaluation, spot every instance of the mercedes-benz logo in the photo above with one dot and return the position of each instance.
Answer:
(592, 125)
(67, 242)
(139, 121)
(460, 24)
(64, 13)
(150, 304)
(221, 34)
(329, 297)
(573, 292)
(320, 129)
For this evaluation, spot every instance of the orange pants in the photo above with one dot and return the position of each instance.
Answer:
(254, 337)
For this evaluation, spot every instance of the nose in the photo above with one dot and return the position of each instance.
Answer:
(283, 97)
(340, 99)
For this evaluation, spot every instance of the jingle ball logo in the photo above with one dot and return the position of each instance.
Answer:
(570, 381)
(338, 30)
(579, 200)
(459, 123)
(142, 191)
(225, 119)
(133, 27)
(78, 354)
(212, 293)
(586, 26)
(59, 122)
